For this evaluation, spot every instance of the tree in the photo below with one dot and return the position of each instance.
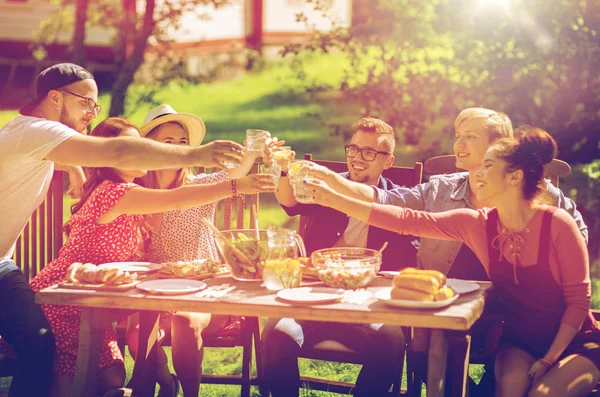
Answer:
(416, 63)
(135, 24)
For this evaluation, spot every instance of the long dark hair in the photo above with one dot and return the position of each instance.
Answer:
(108, 128)
(529, 151)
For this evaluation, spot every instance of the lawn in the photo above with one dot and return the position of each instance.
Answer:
(266, 100)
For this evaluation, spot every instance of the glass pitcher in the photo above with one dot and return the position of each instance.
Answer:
(282, 268)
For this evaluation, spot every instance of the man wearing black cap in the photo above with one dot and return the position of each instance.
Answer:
(51, 131)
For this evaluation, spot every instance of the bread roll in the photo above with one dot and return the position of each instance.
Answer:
(411, 295)
(419, 282)
(70, 277)
(444, 293)
(433, 273)
(115, 277)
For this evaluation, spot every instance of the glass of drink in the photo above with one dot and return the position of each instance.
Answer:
(297, 174)
(283, 157)
(271, 169)
(256, 141)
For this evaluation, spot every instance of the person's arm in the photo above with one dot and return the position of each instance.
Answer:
(343, 186)
(449, 225)
(245, 166)
(141, 200)
(285, 193)
(135, 153)
(573, 262)
(76, 179)
(561, 201)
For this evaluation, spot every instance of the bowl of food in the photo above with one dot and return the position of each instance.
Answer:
(246, 255)
(346, 267)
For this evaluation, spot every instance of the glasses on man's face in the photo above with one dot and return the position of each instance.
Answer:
(366, 154)
(90, 105)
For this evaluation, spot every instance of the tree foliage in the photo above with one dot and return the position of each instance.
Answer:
(416, 63)
(137, 26)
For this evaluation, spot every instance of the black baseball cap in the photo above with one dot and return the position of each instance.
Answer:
(54, 77)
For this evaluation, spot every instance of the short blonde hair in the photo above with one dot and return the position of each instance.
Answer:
(496, 124)
(376, 126)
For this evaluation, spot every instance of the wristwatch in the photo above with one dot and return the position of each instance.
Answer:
(284, 173)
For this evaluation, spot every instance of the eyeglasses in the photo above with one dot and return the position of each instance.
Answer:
(90, 104)
(366, 154)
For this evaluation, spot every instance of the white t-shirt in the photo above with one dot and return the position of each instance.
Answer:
(24, 174)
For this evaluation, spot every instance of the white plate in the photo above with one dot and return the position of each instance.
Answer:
(174, 286)
(137, 267)
(388, 273)
(462, 287)
(384, 296)
(311, 294)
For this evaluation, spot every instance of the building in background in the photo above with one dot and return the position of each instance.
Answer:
(203, 38)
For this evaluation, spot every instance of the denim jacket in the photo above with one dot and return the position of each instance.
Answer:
(448, 192)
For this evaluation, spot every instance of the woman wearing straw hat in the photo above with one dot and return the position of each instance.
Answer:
(180, 235)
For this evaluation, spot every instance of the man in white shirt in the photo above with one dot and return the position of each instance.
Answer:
(51, 132)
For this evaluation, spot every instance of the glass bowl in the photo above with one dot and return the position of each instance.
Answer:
(346, 267)
(240, 250)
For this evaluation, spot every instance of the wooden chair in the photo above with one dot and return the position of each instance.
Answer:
(332, 350)
(231, 213)
(447, 165)
(42, 238)
(39, 243)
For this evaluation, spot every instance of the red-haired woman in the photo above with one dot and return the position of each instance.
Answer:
(535, 256)
(107, 225)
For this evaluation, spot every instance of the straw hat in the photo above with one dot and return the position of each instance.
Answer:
(164, 114)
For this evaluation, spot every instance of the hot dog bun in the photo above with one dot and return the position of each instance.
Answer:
(419, 282)
(410, 294)
(433, 273)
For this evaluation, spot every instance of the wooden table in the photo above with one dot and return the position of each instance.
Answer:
(251, 299)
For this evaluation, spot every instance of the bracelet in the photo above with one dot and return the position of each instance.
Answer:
(546, 363)
(233, 188)
(284, 174)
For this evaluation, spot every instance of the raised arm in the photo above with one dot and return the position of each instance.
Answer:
(450, 225)
(145, 154)
(76, 179)
(141, 200)
(343, 186)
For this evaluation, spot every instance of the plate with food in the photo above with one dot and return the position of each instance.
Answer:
(171, 286)
(309, 295)
(385, 295)
(198, 269)
(133, 267)
(416, 288)
(462, 287)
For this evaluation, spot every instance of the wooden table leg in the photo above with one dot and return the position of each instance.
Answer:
(143, 380)
(465, 369)
(91, 331)
(436, 363)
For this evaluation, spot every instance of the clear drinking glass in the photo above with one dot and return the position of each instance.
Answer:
(271, 169)
(297, 174)
(283, 157)
(256, 141)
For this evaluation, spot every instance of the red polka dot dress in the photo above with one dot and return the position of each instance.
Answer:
(116, 241)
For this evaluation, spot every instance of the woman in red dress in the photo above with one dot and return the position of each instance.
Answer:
(108, 226)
